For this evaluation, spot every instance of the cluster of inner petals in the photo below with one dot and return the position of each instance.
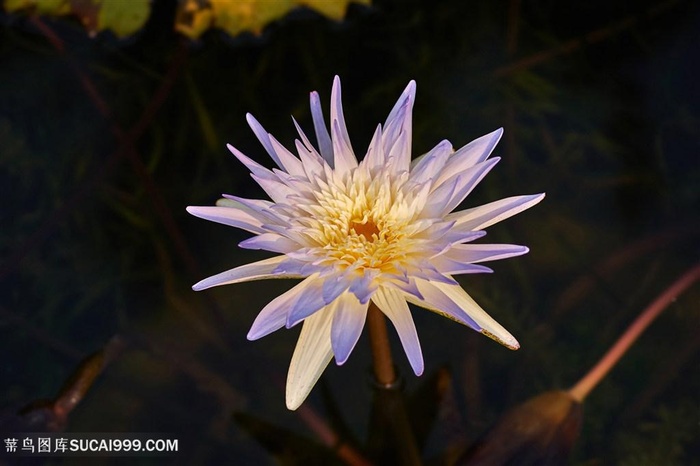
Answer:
(359, 221)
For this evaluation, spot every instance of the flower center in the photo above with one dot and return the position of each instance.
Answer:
(368, 229)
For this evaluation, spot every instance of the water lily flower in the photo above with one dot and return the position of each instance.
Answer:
(378, 231)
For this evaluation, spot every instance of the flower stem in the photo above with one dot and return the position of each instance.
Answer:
(381, 351)
(595, 375)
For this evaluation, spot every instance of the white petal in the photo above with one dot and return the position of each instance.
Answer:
(255, 271)
(394, 306)
(437, 301)
(253, 166)
(231, 216)
(270, 242)
(311, 356)
(449, 266)
(260, 208)
(348, 321)
(344, 158)
(486, 215)
(399, 122)
(343, 155)
(464, 183)
(430, 165)
(324, 139)
(375, 152)
(473, 253)
(271, 183)
(291, 164)
(459, 300)
(274, 187)
(264, 138)
(475, 152)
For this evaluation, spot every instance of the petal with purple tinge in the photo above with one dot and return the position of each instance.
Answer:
(308, 301)
(255, 271)
(486, 215)
(434, 299)
(264, 138)
(399, 122)
(465, 184)
(449, 266)
(375, 152)
(475, 152)
(489, 326)
(292, 164)
(311, 356)
(348, 320)
(394, 306)
(322, 137)
(430, 165)
(343, 155)
(344, 159)
(473, 253)
(238, 218)
(274, 315)
(269, 242)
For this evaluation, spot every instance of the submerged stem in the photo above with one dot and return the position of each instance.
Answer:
(381, 351)
(607, 362)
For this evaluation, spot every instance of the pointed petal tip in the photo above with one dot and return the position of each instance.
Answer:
(342, 360)
(506, 339)
(293, 404)
(199, 286)
(252, 336)
(411, 88)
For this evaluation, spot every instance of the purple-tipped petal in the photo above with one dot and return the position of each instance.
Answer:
(255, 271)
(449, 266)
(454, 303)
(375, 152)
(486, 215)
(463, 185)
(335, 285)
(475, 152)
(239, 218)
(308, 302)
(292, 165)
(269, 242)
(254, 167)
(434, 299)
(274, 315)
(348, 321)
(364, 286)
(400, 121)
(344, 158)
(264, 138)
(343, 155)
(430, 165)
(473, 253)
(324, 139)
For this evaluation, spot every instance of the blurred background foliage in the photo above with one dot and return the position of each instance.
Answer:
(105, 140)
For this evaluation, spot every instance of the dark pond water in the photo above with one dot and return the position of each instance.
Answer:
(104, 143)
